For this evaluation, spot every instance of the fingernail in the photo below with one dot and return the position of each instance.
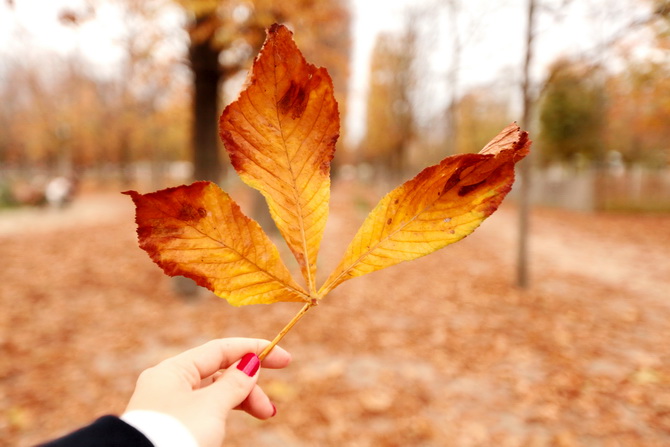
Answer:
(249, 364)
(274, 410)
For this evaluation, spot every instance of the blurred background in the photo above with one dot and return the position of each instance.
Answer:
(549, 326)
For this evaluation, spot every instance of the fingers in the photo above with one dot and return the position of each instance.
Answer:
(258, 404)
(209, 380)
(200, 370)
(277, 358)
(203, 361)
(236, 388)
(236, 383)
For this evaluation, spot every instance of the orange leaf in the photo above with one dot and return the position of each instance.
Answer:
(199, 232)
(280, 134)
(440, 206)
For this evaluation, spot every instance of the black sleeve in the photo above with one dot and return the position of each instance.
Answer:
(108, 431)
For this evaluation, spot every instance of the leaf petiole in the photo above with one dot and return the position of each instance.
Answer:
(287, 328)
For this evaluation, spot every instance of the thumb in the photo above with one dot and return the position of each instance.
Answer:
(233, 387)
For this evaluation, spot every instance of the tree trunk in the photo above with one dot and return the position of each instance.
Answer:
(125, 159)
(452, 78)
(206, 75)
(523, 278)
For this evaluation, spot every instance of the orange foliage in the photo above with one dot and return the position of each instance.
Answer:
(187, 231)
(638, 114)
(280, 135)
(440, 206)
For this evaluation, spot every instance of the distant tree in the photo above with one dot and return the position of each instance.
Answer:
(639, 112)
(661, 22)
(123, 110)
(451, 113)
(639, 109)
(572, 111)
(390, 119)
(225, 35)
(481, 112)
(527, 111)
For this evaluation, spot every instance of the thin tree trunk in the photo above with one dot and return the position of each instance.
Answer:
(523, 277)
(452, 78)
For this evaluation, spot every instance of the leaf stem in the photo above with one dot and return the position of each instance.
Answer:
(287, 328)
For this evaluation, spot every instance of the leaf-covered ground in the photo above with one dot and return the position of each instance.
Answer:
(442, 351)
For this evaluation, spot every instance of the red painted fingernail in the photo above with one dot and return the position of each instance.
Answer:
(249, 364)
(274, 410)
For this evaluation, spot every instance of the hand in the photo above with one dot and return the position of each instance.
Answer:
(192, 388)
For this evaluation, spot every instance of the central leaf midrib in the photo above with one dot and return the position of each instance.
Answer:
(328, 286)
(301, 223)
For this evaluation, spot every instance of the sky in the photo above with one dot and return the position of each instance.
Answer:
(32, 29)
(34, 24)
(492, 35)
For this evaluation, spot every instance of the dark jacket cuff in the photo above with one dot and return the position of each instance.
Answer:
(108, 431)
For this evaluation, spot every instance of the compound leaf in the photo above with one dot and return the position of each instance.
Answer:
(280, 134)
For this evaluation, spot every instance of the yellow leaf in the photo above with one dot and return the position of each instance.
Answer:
(280, 134)
(199, 232)
(440, 206)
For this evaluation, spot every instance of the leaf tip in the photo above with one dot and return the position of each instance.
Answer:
(131, 193)
(512, 139)
(277, 28)
(522, 146)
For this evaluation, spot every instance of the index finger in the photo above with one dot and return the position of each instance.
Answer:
(205, 360)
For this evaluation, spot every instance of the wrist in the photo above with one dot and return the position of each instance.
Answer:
(161, 429)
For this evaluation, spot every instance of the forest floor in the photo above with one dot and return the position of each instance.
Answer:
(441, 351)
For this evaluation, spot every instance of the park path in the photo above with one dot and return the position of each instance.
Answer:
(626, 252)
(85, 210)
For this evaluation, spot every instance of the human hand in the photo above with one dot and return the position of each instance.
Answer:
(192, 388)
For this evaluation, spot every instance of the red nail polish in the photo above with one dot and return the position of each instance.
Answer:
(274, 410)
(249, 364)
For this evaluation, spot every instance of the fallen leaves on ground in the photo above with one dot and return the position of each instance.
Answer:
(449, 354)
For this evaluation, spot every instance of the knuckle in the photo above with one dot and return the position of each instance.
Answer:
(147, 376)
